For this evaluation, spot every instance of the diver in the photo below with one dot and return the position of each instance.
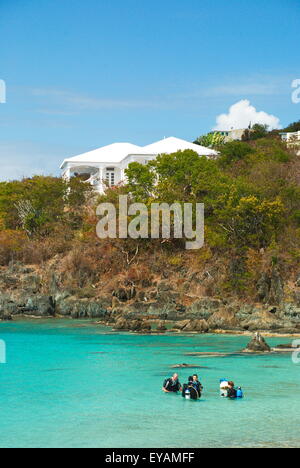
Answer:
(172, 385)
(231, 392)
(196, 384)
(192, 390)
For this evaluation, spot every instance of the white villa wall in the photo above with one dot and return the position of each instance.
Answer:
(118, 156)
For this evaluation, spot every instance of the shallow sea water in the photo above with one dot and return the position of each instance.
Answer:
(73, 384)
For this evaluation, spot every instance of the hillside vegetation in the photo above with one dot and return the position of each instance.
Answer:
(251, 194)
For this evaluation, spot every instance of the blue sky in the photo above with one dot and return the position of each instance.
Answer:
(82, 74)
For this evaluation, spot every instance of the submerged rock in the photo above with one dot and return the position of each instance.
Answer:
(257, 345)
(186, 366)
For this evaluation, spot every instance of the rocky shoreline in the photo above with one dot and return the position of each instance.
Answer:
(148, 307)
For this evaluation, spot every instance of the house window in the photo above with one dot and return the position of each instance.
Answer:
(110, 176)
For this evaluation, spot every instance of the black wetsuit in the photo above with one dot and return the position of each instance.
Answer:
(232, 393)
(172, 385)
(197, 386)
(193, 391)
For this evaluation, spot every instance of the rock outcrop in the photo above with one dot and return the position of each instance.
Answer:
(223, 320)
(257, 345)
(265, 320)
(270, 288)
(134, 304)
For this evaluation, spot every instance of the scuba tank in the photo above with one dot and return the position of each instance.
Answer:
(187, 394)
(239, 393)
(223, 388)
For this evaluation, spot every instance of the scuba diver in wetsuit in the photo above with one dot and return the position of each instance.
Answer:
(196, 384)
(172, 385)
(231, 393)
(193, 389)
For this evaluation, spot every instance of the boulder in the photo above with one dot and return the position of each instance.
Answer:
(257, 345)
(121, 324)
(40, 306)
(265, 320)
(200, 326)
(223, 320)
(181, 325)
(97, 310)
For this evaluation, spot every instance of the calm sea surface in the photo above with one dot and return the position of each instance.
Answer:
(72, 384)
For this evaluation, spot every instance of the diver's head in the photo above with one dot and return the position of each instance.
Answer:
(175, 376)
(195, 378)
(231, 384)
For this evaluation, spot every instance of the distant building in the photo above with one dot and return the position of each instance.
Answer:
(106, 166)
(292, 139)
(232, 135)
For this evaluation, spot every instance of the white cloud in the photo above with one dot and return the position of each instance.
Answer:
(241, 114)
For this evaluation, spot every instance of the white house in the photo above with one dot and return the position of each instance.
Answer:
(292, 139)
(107, 165)
(232, 135)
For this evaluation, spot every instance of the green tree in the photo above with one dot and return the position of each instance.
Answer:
(256, 132)
(293, 127)
(234, 151)
(36, 204)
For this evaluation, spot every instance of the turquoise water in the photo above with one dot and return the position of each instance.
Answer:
(70, 384)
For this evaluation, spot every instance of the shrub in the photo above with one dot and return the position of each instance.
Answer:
(11, 244)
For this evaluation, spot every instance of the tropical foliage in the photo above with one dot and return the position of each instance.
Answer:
(251, 194)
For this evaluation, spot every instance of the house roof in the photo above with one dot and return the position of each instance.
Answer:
(117, 152)
(172, 145)
(114, 153)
